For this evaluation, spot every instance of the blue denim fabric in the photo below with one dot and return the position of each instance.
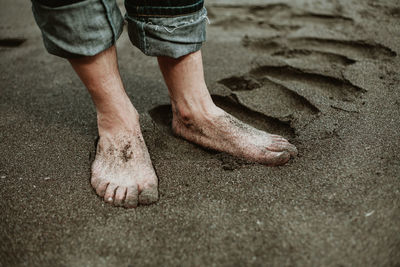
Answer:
(168, 36)
(89, 27)
(80, 29)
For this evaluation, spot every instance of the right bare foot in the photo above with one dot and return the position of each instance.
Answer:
(122, 172)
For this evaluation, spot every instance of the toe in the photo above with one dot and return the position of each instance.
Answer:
(277, 147)
(110, 192)
(283, 146)
(277, 137)
(131, 199)
(95, 181)
(281, 158)
(119, 196)
(148, 194)
(101, 188)
(277, 158)
(280, 140)
(292, 150)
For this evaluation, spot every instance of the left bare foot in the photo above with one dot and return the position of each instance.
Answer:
(220, 131)
(197, 119)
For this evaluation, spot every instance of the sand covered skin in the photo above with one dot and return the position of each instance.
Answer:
(323, 74)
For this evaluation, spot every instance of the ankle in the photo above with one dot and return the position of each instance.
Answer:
(190, 112)
(112, 121)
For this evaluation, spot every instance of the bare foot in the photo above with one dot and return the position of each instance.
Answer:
(197, 119)
(122, 172)
(220, 131)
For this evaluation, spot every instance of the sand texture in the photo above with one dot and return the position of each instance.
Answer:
(324, 74)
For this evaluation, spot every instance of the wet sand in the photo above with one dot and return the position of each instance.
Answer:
(325, 74)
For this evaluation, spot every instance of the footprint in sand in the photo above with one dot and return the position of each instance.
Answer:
(294, 76)
(11, 42)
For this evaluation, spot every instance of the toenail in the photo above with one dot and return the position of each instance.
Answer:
(110, 199)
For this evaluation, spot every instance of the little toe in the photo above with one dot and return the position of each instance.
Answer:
(110, 192)
(119, 196)
(290, 148)
(131, 199)
(148, 195)
(101, 188)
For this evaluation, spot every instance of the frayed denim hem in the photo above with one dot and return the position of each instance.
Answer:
(168, 36)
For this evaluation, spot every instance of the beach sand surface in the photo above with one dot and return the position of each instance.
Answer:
(324, 74)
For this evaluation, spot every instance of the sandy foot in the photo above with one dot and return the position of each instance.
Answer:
(223, 132)
(122, 172)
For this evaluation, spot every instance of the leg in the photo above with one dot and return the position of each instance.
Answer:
(197, 119)
(122, 172)
(176, 41)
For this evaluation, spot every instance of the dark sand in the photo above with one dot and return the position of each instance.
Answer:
(325, 74)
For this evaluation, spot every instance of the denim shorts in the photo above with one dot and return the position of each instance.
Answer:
(86, 28)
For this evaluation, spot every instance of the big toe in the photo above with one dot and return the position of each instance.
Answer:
(283, 146)
(276, 158)
(148, 194)
(101, 187)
